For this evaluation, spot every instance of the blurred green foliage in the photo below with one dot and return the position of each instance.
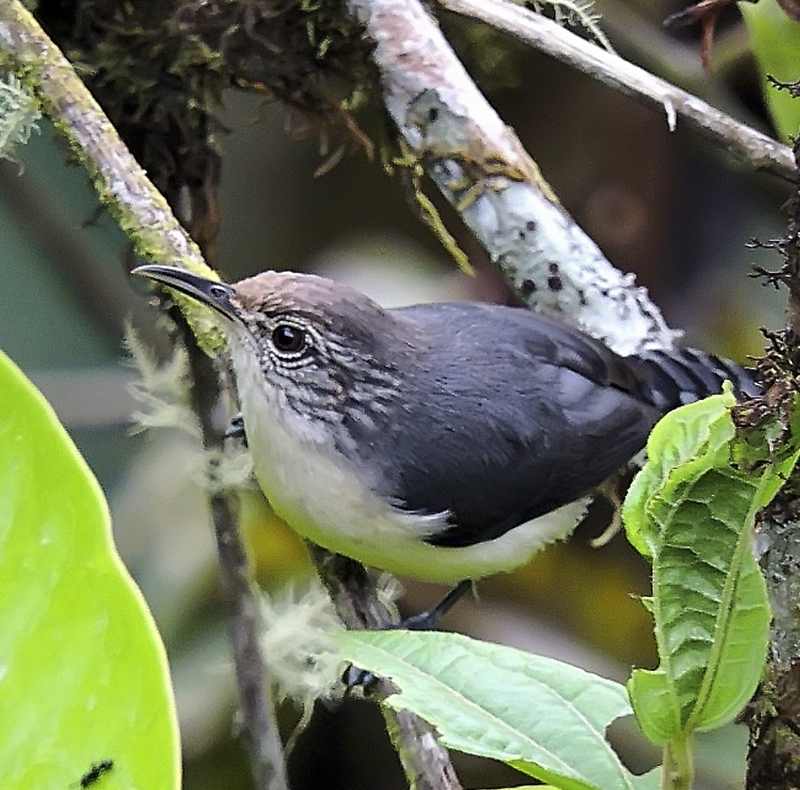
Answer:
(775, 39)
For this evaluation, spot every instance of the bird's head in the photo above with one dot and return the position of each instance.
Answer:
(320, 347)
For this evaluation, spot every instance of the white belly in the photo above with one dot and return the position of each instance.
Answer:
(329, 501)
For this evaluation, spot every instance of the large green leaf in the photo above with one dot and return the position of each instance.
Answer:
(83, 675)
(775, 38)
(691, 511)
(541, 716)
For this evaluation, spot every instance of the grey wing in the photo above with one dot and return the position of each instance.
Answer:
(510, 417)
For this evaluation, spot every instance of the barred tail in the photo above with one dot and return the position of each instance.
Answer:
(684, 375)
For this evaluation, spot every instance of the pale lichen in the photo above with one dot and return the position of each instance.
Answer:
(573, 13)
(19, 115)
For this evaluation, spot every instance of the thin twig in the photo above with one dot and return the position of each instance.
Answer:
(425, 761)
(259, 728)
(147, 219)
(755, 149)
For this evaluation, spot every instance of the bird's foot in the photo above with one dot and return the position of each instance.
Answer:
(354, 677)
(427, 621)
(236, 429)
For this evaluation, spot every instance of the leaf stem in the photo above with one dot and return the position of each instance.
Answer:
(678, 766)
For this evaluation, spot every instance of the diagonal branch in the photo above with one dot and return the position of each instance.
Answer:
(482, 169)
(121, 183)
(755, 149)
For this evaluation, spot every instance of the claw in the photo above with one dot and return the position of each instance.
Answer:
(353, 676)
(427, 621)
(236, 429)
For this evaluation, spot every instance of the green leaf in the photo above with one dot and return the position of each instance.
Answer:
(700, 429)
(691, 512)
(83, 674)
(541, 716)
(775, 38)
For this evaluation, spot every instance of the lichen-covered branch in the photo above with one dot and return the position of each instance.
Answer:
(121, 183)
(482, 169)
(757, 150)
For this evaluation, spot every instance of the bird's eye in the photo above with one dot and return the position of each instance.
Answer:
(288, 338)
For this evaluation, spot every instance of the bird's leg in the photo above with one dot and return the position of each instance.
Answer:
(236, 429)
(354, 677)
(426, 621)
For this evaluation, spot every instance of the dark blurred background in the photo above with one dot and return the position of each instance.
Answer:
(670, 207)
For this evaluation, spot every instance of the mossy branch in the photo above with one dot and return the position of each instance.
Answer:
(121, 183)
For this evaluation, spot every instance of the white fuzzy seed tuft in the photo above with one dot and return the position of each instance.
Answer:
(299, 641)
(162, 395)
(161, 391)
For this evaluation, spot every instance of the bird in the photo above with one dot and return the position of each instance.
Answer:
(444, 442)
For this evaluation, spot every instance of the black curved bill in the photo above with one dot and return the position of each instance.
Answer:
(213, 293)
